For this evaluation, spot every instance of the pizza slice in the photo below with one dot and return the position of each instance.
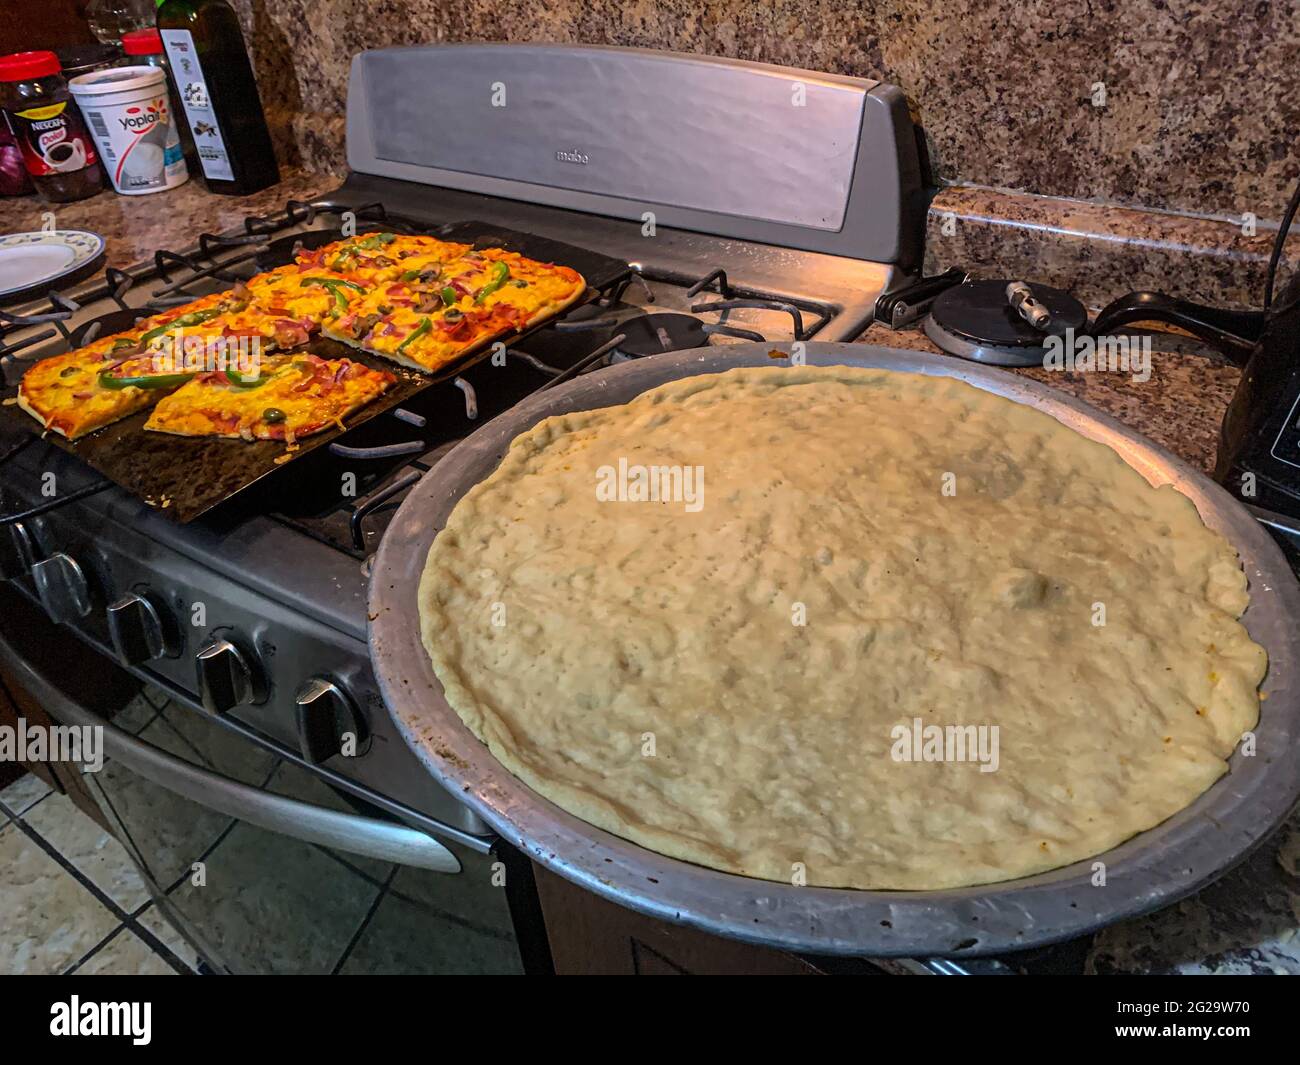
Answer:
(376, 257)
(447, 312)
(291, 396)
(113, 377)
(85, 390)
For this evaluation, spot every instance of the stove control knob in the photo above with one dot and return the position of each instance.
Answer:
(62, 588)
(328, 720)
(137, 628)
(18, 551)
(227, 676)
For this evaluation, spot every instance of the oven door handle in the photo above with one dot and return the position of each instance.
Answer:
(385, 841)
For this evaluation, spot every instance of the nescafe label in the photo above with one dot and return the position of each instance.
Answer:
(52, 139)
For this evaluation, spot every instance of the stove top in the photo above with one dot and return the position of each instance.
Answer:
(341, 498)
(279, 572)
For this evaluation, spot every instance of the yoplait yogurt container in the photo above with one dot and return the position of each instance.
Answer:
(129, 114)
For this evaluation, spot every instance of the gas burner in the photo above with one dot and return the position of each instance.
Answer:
(654, 334)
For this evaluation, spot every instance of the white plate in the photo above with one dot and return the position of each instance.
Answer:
(29, 260)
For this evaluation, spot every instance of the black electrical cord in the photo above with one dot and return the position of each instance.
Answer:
(1278, 243)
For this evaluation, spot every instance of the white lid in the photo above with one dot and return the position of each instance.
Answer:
(116, 79)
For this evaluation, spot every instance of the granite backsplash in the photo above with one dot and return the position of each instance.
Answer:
(1181, 109)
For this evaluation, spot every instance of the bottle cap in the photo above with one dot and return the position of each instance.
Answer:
(142, 42)
(20, 66)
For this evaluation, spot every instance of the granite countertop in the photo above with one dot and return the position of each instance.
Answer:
(1180, 407)
(134, 227)
(1247, 921)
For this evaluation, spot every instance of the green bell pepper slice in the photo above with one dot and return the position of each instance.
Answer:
(424, 326)
(333, 285)
(182, 322)
(161, 380)
(240, 380)
(500, 275)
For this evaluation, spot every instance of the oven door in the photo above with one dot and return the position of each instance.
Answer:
(260, 865)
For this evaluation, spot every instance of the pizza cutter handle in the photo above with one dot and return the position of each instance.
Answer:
(1234, 333)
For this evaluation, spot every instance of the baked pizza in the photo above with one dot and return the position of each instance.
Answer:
(291, 396)
(416, 300)
(445, 312)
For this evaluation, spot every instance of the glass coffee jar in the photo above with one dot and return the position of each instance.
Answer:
(56, 149)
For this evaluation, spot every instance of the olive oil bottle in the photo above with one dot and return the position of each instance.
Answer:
(217, 94)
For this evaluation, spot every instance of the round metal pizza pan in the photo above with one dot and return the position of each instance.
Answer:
(1148, 871)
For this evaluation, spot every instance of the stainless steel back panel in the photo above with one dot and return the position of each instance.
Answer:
(747, 150)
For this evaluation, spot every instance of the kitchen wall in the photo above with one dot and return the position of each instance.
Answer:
(1201, 107)
(1183, 106)
(49, 24)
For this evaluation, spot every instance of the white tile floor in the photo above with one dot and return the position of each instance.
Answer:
(71, 900)
(70, 897)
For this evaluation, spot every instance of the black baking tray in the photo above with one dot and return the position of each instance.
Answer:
(185, 477)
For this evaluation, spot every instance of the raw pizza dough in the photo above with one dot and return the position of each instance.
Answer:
(949, 554)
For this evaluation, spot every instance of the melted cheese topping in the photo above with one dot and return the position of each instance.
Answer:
(297, 292)
(390, 320)
(385, 261)
(299, 395)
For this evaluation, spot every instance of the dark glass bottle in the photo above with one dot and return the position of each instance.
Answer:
(217, 93)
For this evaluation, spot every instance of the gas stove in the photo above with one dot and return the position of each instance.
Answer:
(759, 204)
(751, 203)
(267, 594)
(255, 613)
